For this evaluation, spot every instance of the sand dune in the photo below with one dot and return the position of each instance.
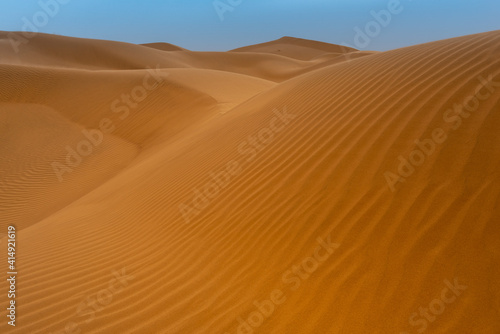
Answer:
(212, 190)
(52, 51)
(164, 46)
(297, 48)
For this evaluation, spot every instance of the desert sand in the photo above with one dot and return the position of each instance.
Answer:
(287, 187)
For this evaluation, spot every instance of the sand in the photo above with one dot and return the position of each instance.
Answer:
(252, 190)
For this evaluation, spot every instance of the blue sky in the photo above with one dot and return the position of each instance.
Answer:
(196, 25)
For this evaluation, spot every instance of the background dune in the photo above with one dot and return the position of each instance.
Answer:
(164, 46)
(296, 48)
(300, 142)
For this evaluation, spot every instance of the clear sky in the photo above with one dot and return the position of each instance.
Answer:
(197, 25)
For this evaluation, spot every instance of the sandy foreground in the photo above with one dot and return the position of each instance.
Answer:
(288, 187)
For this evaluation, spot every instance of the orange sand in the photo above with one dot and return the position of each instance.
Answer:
(328, 126)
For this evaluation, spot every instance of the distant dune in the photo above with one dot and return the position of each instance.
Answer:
(287, 187)
(296, 48)
(164, 46)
